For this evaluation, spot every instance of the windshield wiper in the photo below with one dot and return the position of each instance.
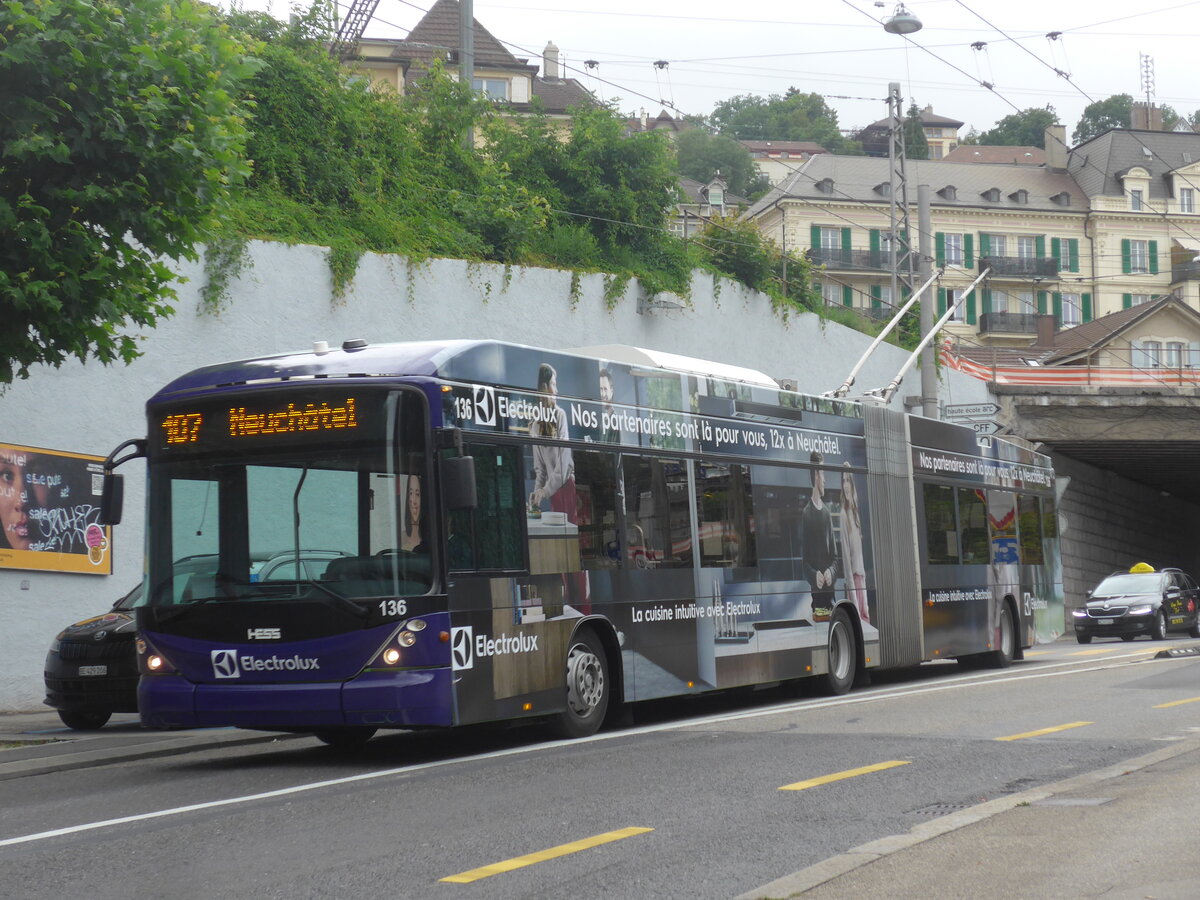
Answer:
(340, 601)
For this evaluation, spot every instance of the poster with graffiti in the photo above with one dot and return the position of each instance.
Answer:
(50, 511)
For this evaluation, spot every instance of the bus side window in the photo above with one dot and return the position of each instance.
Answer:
(972, 521)
(489, 537)
(725, 510)
(657, 522)
(1029, 523)
(941, 529)
(596, 508)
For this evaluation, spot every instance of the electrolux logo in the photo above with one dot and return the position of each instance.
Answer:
(225, 664)
(485, 405)
(461, 654)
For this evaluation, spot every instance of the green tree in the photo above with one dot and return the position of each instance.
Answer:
(1113, 112)
(121, 133)
(793, 116)
(1026, 128)
(915, 144)
(701, 155)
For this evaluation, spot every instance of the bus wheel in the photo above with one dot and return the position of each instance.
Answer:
(1002, 656)
(588, 687)
(345, 738)
(843, 655)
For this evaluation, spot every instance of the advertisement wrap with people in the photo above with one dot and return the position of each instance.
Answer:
(50, 510)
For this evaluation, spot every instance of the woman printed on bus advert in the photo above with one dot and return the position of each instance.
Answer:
(852, 545)
(411, 538)
(553, 466)
(15, 500)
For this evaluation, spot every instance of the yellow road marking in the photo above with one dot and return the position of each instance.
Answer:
(1178, 702)
(849, 773)
(1041, 731)
(1036, 652)
(519, 862)
(1095, 651)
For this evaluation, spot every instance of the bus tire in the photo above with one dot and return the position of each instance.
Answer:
(346, 738)
(843, 656)
(588, 687)
(1002, 656)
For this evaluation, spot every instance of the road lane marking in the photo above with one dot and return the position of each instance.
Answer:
(951, 683)
(1177, 703)
(529, 859)
(1041, 731)
(1095, 651)
(849, 773)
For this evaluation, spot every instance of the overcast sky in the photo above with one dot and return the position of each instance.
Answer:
(838, 48)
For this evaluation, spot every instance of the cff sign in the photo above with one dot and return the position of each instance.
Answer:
(984, 428)
(970, 411)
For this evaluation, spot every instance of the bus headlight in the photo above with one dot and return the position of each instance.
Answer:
(406, 639)
(415, 624)
(391, 656)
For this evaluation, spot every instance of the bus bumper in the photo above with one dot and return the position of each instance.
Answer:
(382, 699)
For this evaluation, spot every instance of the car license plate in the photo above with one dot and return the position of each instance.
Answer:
(1104, 621)
(93, 670)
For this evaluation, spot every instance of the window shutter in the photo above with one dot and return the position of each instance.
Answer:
(987, 302)
(1057, 307)
(1086, 300)
(845, 238)
(1126, 256)
(941, 302)
(969, 250)
(1041, 303)
(876, 299)
(875, 241)
(847, 295)
(1072, 254)
(1056, 251)
(940, 247)
(1153, 245)
(985, 244)
(814, 234)
(1140, 359)
(1039, 246)
(971, 308)
(1126, 301)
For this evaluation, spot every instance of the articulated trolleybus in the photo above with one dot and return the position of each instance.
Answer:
(484, 531)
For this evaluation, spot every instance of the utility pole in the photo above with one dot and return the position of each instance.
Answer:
(900, 256)
(466, 54)
(929, 395)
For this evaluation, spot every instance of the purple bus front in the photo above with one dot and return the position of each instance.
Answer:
(293, 566)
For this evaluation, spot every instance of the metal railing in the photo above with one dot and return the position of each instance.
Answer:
(1188, 271)
(850, 260)
(1008, 323)
(1019, 266)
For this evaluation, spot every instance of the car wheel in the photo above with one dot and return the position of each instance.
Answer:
(345, 738)
(588, 687)
(1159, 631)
(1083, 638)
(84, 719)
(1194, 631)
(843, 655)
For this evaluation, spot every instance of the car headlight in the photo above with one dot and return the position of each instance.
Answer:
(1079, 613)
(1144, 610)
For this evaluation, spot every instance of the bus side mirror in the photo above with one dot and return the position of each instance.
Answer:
(112, 499)
(458, 482)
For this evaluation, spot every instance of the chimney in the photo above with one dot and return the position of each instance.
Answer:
(1045, 331)
(1146, 116)
(1056, 147)
(642, 116)
(550, 69)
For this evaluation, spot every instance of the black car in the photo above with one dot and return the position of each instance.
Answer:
(1140, 601)
(91, 668)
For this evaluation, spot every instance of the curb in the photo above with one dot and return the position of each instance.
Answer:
(834, 866)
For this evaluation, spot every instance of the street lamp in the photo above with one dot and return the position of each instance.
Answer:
(901, 21)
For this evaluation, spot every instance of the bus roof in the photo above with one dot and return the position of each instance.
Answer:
(484, 361)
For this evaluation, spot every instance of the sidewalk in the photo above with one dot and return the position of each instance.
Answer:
(43, 744)
(1126, 832)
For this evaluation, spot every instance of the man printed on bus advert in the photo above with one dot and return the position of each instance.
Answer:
(818, 546)
(609, 434)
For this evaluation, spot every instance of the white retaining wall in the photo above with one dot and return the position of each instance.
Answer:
(284, 302)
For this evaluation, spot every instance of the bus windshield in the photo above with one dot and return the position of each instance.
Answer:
(332, 515)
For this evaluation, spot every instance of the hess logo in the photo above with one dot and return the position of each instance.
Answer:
(263, 634)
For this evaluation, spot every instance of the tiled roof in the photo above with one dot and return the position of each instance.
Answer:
(993, 153)
(789, 146)
(560, 94)
(859, 178)
(438, 30)
(1097, 163)
(691, 189)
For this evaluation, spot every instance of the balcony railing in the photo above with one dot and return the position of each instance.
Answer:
(850, 260)
(1188, 271)
(1008, 323)
(1019, 267)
